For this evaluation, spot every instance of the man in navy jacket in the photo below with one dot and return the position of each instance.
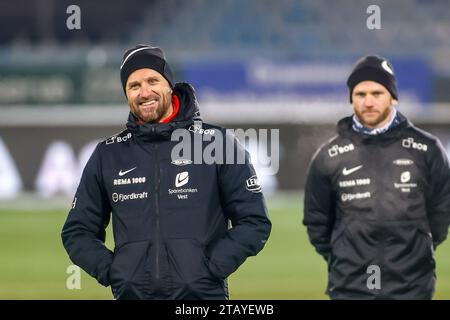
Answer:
(377, 195)
(180, 227)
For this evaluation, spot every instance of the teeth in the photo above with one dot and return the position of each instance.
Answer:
(147, 103)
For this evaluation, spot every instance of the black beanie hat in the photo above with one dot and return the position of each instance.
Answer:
(144, 56)
(376, 69)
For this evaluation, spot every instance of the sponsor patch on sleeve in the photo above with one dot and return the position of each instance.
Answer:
(252, 184)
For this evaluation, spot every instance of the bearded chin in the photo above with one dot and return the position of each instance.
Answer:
(374, 122)
(153, 117)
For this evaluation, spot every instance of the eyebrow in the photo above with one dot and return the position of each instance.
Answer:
(366, 92)
(135, 82)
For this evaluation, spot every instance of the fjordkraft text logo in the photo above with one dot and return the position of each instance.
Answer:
(116, 197)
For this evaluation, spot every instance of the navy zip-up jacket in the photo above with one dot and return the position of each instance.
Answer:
(376, 207)
(180, 228)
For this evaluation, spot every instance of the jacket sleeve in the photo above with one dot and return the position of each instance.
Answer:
(250, 224)
(438, 202)
(83, 234)
(319, 207)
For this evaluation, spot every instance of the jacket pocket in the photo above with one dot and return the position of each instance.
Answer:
(350, 253)
(337, 233)
(427, 239)
(129, 272)
(190, 273)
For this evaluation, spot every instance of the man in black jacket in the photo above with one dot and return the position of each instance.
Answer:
(377, 196)
(170, 216)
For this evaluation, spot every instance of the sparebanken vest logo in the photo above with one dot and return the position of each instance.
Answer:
(181, 179)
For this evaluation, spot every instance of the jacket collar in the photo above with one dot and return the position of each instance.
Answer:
(344, 129)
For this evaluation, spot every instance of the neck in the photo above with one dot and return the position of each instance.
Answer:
(173, 110)
(168, 114)
(385, 123)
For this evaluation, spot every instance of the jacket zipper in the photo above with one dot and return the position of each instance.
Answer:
(157, 244)
(381, 232)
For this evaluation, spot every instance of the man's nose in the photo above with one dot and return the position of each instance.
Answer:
(145, 91)
(368, 101)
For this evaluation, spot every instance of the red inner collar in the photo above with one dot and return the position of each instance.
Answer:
(176, 108)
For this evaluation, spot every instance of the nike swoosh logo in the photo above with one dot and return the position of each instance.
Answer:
(122, 173)
(346, 171)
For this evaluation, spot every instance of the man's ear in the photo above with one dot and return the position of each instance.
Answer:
(394, 102)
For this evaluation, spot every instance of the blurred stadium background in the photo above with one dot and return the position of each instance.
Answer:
(254, 63)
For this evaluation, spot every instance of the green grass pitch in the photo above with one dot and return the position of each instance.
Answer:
(33, 261)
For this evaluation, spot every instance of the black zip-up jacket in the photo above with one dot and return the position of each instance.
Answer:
(376, 207)
(170, 217)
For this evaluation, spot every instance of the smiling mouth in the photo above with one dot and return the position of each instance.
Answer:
(148, 103)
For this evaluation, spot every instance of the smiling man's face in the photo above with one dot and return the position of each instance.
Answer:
(149, 95)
